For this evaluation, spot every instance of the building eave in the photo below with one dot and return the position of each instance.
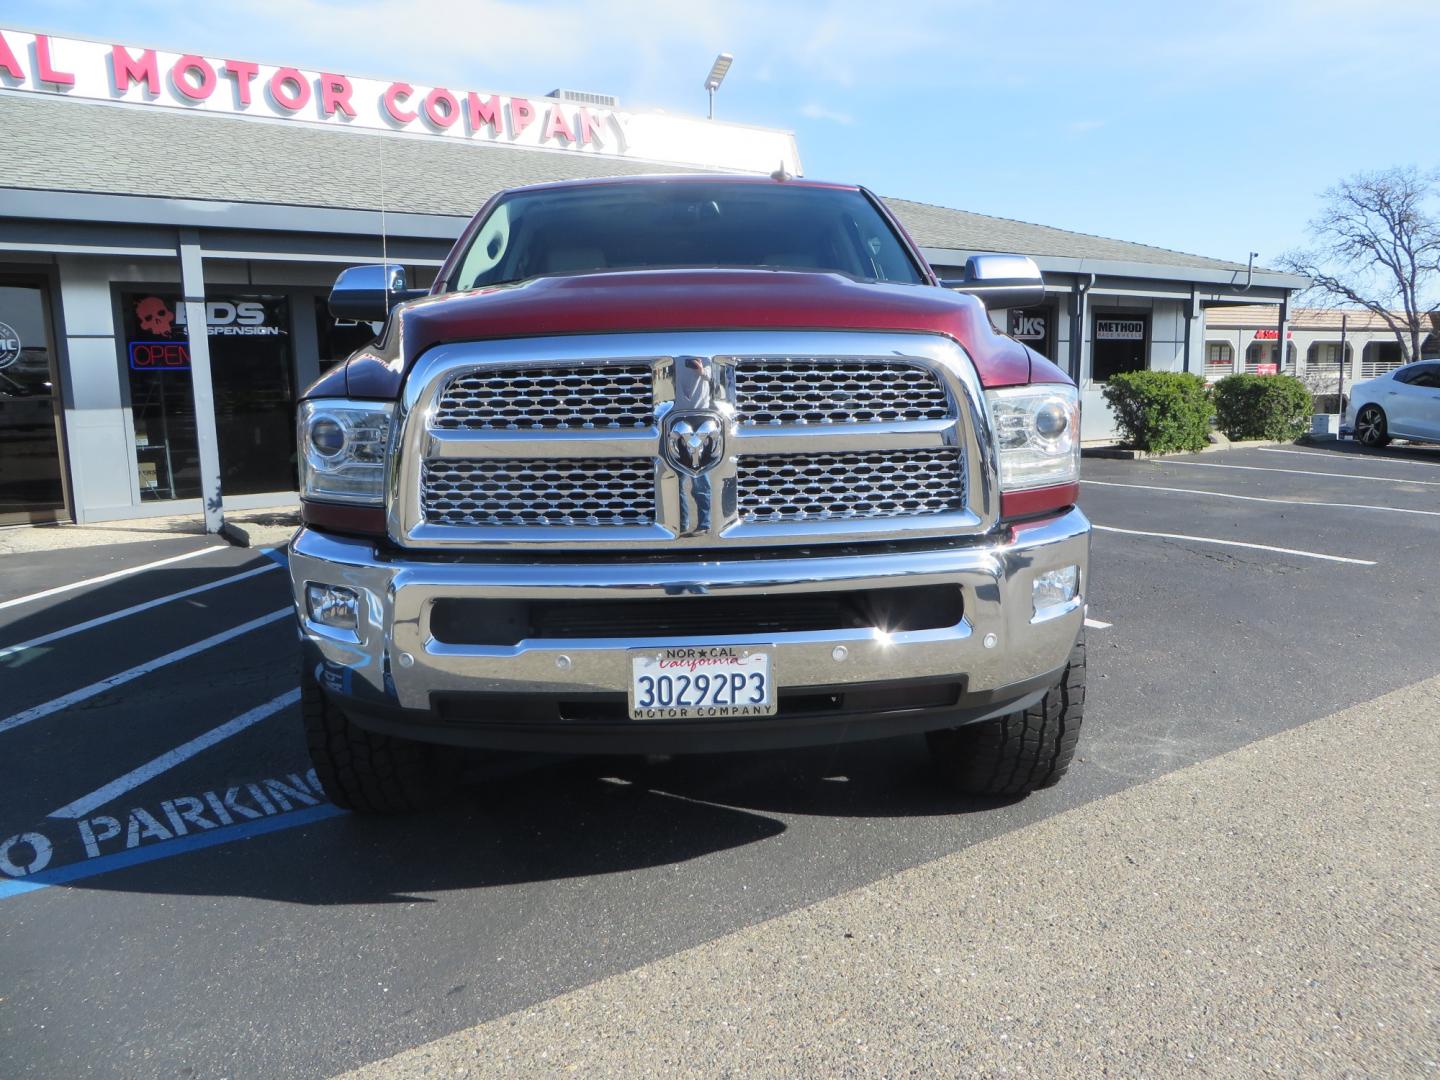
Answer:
(1061, 264)
(207, 214)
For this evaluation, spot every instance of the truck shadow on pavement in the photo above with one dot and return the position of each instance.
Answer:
(879, 778)
(556, 820)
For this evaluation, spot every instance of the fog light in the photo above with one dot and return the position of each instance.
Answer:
(1055, 587)
(333, 605)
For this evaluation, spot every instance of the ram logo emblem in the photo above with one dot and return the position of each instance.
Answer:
(694, 441)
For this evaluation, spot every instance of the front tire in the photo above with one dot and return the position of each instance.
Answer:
(1371, 427)
(1022, 752)
(371, 773)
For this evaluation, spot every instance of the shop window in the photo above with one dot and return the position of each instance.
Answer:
(338, 338)
(1035, 326)
(32, 487)
(1219, 358)
(1325, 354)
(1118, 343)
(252, 376)
(1261, 357)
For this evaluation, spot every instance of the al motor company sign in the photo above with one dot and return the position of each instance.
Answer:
(110, 72)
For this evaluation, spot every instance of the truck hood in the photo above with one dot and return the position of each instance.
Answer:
(655, 300)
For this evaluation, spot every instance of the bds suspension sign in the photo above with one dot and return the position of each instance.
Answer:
(116, 72)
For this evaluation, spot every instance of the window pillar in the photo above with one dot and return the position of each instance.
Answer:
(192, 288)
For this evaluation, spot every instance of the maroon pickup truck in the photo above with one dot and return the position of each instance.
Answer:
(688, 464)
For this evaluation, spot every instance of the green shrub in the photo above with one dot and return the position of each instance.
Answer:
(1262, 407)
(1163, 411)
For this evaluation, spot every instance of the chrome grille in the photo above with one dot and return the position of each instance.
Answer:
(590, 441)
(608, 396)
(851, 486)
(507, 492)
(812, 390)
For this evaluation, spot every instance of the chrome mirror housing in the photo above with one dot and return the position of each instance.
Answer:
(367, 293)
(1000, 281)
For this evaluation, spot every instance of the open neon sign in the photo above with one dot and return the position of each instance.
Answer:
(159, 356)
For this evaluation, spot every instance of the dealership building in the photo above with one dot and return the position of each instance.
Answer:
(147, 193)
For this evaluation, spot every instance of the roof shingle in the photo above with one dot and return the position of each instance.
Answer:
(70, 145)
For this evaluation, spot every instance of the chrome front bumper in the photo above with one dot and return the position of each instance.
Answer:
(391, 663)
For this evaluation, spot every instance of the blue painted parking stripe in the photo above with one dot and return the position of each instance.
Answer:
(121, 860)
(278, 555)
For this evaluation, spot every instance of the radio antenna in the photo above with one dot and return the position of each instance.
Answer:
(384, 236)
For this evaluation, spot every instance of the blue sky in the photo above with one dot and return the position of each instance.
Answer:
(1205, 128)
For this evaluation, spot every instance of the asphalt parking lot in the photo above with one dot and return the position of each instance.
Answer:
(176, 899)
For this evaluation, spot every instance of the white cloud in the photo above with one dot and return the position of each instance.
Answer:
(819, 112)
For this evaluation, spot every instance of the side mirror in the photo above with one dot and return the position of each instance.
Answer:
(1001, 281)
(367, 293)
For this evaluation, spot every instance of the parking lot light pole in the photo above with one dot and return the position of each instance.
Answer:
(716, 77)
(1340, 392)
(1281, 348)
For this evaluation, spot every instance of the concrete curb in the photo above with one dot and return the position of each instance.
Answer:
(272, 531)
(1220, 443)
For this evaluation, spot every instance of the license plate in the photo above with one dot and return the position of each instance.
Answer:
(708, 682)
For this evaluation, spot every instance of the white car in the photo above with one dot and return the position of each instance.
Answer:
(1401, 404)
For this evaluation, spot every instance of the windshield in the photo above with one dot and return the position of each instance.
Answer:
(638, 226)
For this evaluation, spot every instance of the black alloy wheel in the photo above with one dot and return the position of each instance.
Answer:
(1370, 428)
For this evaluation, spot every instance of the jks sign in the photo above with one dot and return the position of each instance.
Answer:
(123, 73)
(1027, 326)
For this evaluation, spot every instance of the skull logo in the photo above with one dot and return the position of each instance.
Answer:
(155, 316)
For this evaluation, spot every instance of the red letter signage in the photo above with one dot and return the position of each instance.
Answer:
(204, 78)
(8, 62)
(44, 69)
(395, 93)
(335, 91)
(589, 129)
(557, 126)
(243, 72)
(522, 114)
(126, 69)
(290, 89)
(487, 112)
(441, 117)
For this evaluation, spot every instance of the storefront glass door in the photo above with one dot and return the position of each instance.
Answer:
(252, 374)
(32, 486)
(1118, 343)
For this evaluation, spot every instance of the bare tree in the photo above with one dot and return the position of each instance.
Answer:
(1377, 244)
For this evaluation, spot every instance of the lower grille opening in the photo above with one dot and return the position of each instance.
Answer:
(613, 708)
(463, 621)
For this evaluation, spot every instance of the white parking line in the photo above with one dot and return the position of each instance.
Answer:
(86, 692)
(166, 761)
(111, 576)
(1096, 624)
(1302, 472)
(1234, 543)
(1265, 498)
(1342, 455)
(46, 639)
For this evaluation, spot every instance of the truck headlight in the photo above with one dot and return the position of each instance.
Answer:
(1037, 435)
(343, 446)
